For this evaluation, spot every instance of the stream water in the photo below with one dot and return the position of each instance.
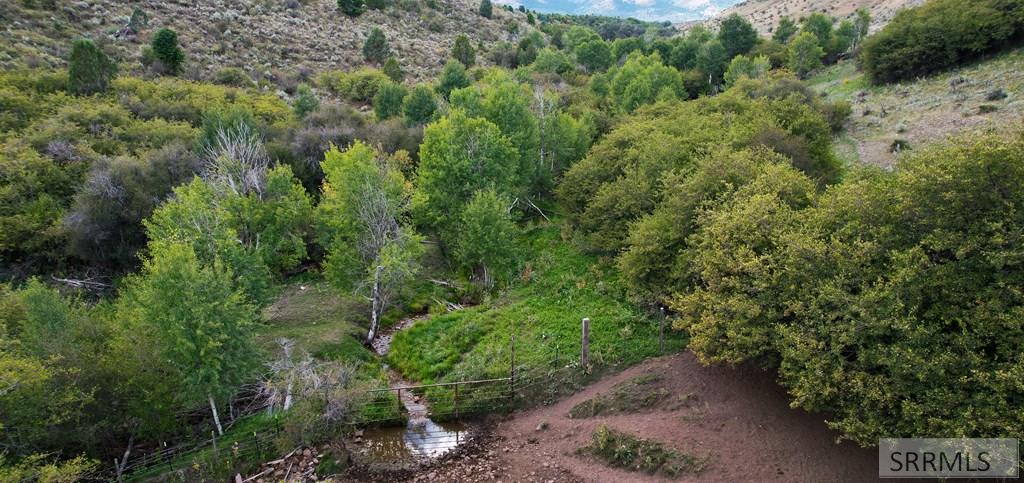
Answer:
(421, 437)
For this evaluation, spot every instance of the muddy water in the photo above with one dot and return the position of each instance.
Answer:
(421, 438)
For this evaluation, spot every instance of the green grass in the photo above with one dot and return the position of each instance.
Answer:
(558, 287)
(636, 394)
(622, 450)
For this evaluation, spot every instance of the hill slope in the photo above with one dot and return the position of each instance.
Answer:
(258, 35)
(988, 94)
(765, 14)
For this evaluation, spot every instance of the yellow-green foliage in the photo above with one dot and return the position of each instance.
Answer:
(186, 100)
(359, 85)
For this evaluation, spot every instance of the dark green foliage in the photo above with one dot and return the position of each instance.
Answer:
(89, 69)
(486, 8)
(138, 21)
(622, 47)
(305, 101)
(684, 55)
(166, 50)
(463, 52)
(453, 76)
(393, 70)
(594, 55)
(388, 101)
(419, 105)
(737, 35)
(530, 19)
(609, 28)
(352, 8)
(786, 29)
(712, 59)
(376, 49)
(939, 35)
(104, 223)
(486, 238)
(377, 4)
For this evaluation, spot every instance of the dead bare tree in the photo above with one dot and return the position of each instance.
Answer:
(237, 160)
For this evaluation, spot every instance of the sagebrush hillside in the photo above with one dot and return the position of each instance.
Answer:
(267, 38)
(765, 14)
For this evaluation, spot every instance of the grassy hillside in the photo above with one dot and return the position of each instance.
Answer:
(268, 38)
(559, 286)
(986, 94)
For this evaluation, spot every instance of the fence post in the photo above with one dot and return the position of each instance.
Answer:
(398, 394)
(456, 401)
(585, 344)
(512, 374)
(661, 331)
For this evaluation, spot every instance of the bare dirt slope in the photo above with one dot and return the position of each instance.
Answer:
(258, 35)
(738, 418)
(765, 14)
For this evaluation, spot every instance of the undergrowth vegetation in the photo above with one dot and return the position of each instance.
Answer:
(626, 451)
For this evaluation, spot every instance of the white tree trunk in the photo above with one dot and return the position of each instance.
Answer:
(288, 395)
(375, 306)
(216, 418)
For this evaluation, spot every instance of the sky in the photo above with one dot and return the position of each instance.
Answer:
(655, 10)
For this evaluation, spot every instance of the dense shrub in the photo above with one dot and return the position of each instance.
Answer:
(352, 8)
(463, 52)
(89, 69)
(883, 301)
(393, 70)
(486, 8)
(388, 101)
(805, 54)
(305, 101)
(938, 35)
(233, 76)
(644, 79)
(622, 178)
(419, 105)
(166, 50)
(376, 49)
(359, 85)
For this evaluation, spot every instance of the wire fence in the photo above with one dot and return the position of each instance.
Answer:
(551, 373)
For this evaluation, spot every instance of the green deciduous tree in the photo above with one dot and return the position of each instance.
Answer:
(89, 69)
(743, 66)
(785, 31)
(453, 76)
(712, 59)
(594, 55)
(166, 50)
(460, 155)
(201, 324)
(805, 54)
(361, 216)
(376, 47)
(486, 238)
(737, 35)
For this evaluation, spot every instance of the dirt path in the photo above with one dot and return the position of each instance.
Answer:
(738, 416)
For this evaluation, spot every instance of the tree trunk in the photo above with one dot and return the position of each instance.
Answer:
(288, 395)
(216, 418)
(375, 306)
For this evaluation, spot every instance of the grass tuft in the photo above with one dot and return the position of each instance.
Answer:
(621, 450)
